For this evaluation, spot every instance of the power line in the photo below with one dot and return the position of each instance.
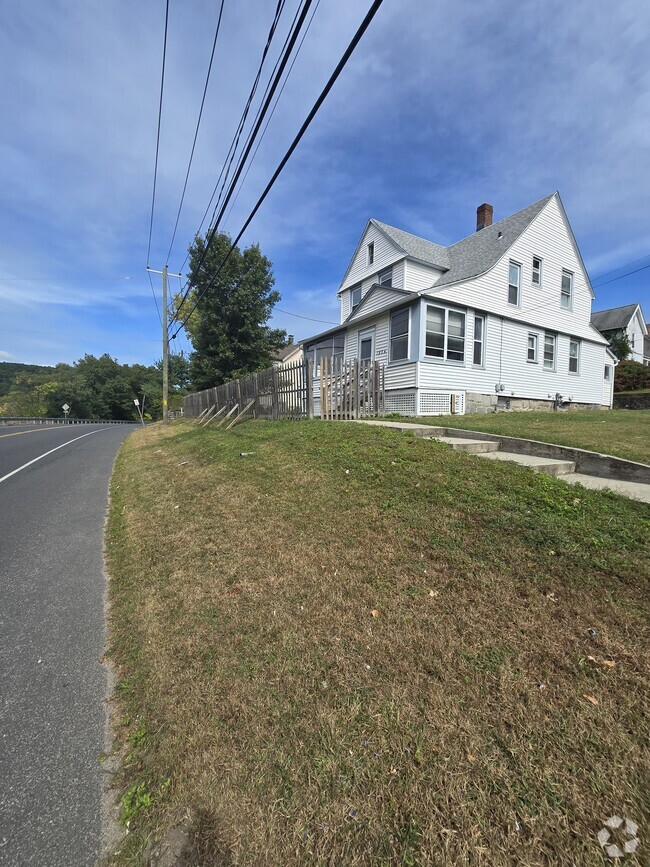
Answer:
(196, 132)
(332, 80)
(624, 265)
(300, 316)
(242, 159)
(155, 300)
(275, 105)
(242, 120)
(160, 104)
(627, 274)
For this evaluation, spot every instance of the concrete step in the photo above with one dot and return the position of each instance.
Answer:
(540, 465)
(474, 447)
(418, 430)
(634, 490)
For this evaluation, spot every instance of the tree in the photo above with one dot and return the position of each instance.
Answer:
(620, 344)
(229, 331)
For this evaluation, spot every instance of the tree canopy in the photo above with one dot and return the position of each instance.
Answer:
(228, 328)
(93, 388)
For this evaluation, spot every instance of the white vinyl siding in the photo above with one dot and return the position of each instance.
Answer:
(385, 254)
(378, 300)
(514, 283)
(546, 236)
(418, 277)
(533, 344)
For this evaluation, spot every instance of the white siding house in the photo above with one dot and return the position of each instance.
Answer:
(499, 320)
(629, 321)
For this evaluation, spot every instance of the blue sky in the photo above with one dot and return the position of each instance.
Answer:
(444, 105)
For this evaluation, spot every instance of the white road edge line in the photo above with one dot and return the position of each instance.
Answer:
(40, 457)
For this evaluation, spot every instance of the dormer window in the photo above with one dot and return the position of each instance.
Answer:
(371, 253)
(385, 278)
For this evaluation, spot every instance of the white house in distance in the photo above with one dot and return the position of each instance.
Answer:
(500, 320)
(628, 320)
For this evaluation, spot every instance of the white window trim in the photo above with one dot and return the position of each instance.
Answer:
(385, 271)
(544, 367)
(354, 307)
(607, 374)
(408, 337)
(519, 265)
(579, 345)
(569, 306)
(423, 349)
(370, 253)
(541, 272)
(536, 336)
(482, 316)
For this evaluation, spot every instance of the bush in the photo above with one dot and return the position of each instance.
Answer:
(631, 376)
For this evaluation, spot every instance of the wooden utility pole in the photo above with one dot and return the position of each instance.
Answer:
(165, 347)
(165, 338)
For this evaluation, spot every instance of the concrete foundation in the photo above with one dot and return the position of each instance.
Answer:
(476, 403)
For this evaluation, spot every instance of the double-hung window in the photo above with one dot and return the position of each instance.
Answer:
(385, 278)
(355, 297)
(532, 347)
(574, 356)
(550, 345)
(608, 372)
(479, 341)
(445, 337)
(537, 271)
(371, 253)
(566, 292)
(514, 283)
(399, 335)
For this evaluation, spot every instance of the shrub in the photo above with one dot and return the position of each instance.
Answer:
(631, 376)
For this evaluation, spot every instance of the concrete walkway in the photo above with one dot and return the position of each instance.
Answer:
(560, 465)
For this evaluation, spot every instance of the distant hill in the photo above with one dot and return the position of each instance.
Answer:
(9, 370)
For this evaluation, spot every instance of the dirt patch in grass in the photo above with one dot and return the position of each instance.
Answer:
(621, 432)
(355, 647)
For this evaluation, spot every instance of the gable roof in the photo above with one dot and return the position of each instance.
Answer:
(415, 247)
(479, 252)
(377, 287)
(615, 317)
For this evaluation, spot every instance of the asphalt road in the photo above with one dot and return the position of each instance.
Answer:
(52, 681)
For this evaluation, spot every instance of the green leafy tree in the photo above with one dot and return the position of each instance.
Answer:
(229, 330)
(620, 345)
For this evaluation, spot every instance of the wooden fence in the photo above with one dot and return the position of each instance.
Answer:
(338, 390)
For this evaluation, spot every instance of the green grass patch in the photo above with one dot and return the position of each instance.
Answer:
(356, 647)
(621, 432)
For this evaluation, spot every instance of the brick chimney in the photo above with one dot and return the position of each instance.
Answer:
(483, 216)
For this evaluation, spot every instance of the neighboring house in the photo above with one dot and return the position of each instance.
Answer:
(291, 352)
(628, 320)
(499, 320)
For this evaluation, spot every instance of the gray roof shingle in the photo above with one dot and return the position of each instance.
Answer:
(417, 248)
(473, 255)
(616, 317)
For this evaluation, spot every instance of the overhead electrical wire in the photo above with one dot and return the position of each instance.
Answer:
(620, 277)
(196, 131)
(270, 117)
(242, 120)
(160, 105)
(242, 160)
(332, 80)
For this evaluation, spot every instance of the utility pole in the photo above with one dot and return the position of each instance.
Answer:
(165, 347)
(165, 338)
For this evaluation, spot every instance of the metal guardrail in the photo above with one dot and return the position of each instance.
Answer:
(9, 421)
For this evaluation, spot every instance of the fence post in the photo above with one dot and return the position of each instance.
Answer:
(309, 373)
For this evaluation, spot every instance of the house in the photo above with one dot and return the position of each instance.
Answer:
(499, 320)
(288, 354)
(629, 321)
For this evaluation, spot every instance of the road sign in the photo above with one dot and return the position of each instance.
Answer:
(136, 401)
(65, 407)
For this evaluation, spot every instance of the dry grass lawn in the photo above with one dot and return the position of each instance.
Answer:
(353, 647)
